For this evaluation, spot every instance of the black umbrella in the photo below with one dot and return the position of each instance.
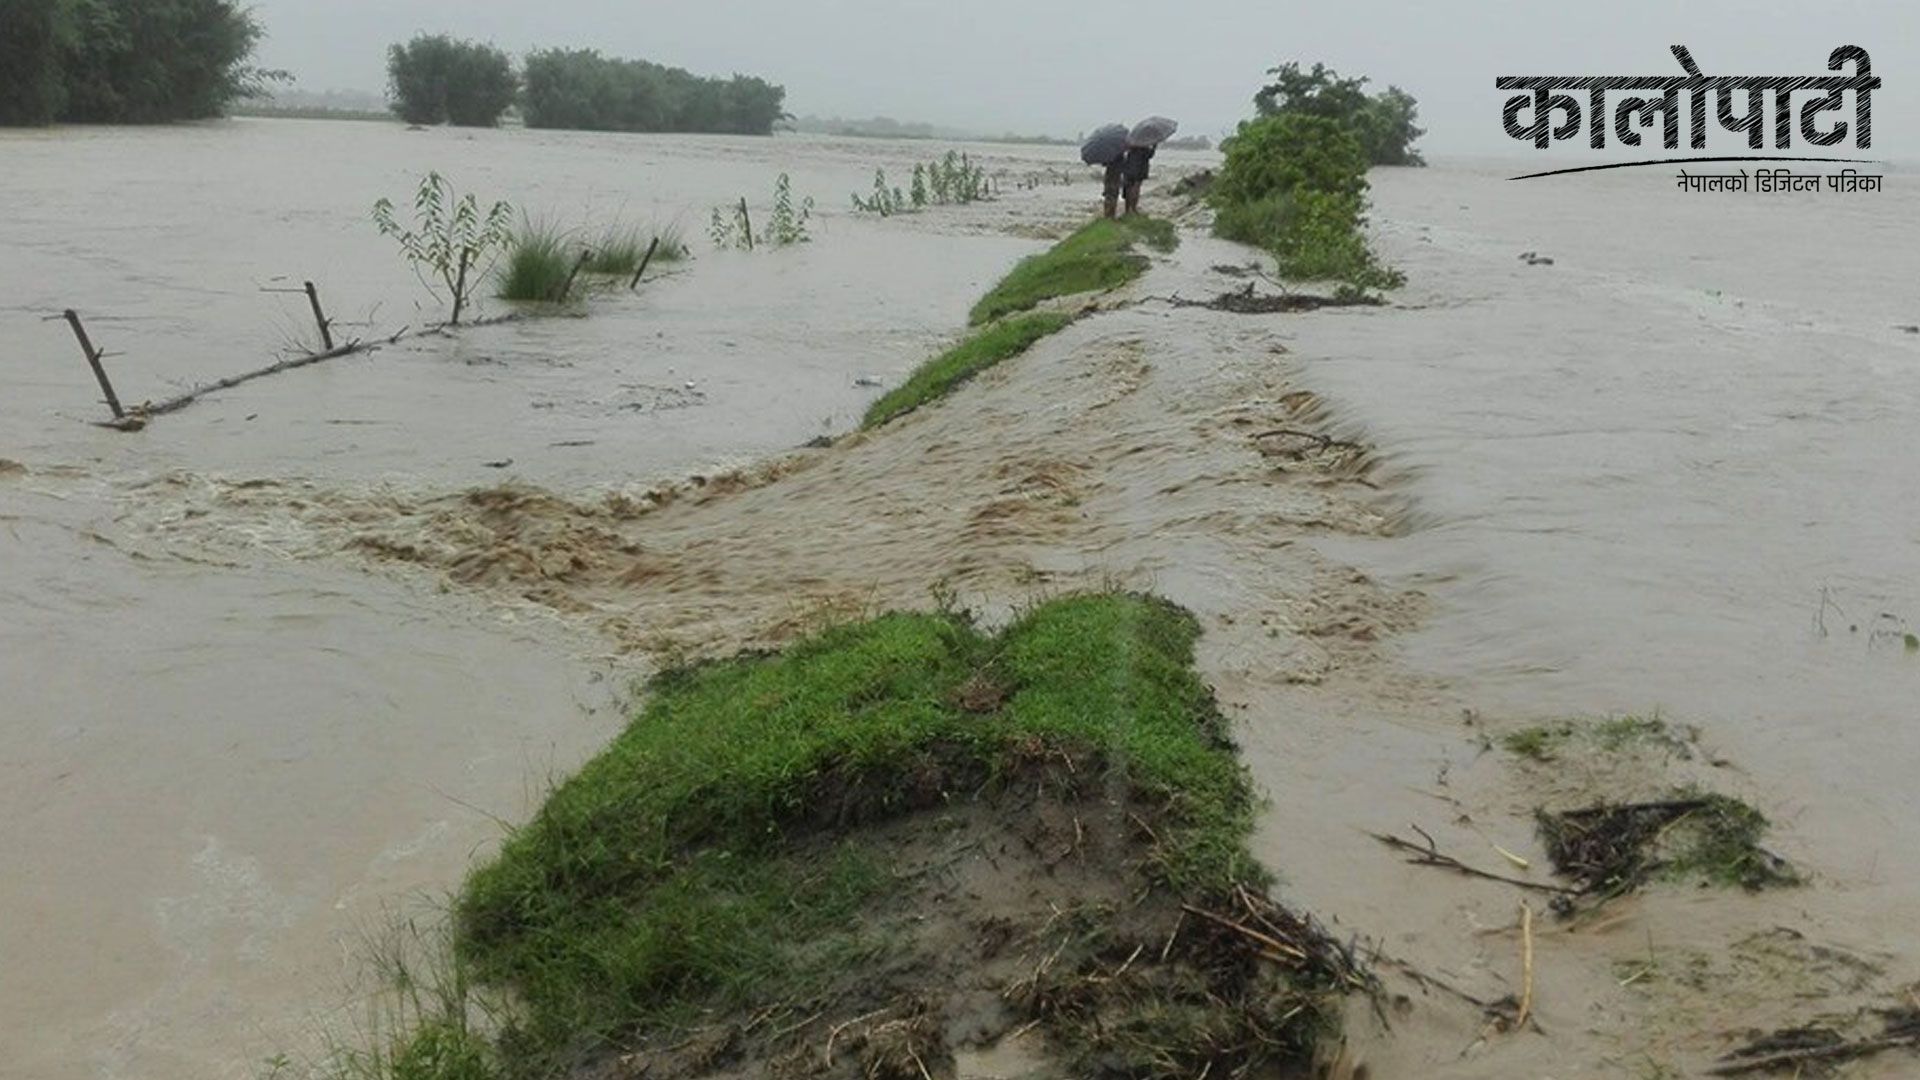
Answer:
(1104, 145)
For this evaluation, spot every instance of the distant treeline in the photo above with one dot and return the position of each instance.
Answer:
(124, 61)
(436, 79)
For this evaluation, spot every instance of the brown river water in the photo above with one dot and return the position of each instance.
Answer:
(1674, 470)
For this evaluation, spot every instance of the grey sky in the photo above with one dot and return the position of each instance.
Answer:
(1067, 67)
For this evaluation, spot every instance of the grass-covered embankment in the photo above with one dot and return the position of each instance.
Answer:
(1097, 257)
(938, 377)
(786, 834)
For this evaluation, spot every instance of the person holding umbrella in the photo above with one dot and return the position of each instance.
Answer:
(1128, 157)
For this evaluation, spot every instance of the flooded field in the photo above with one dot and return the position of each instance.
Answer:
(221, 767)
(1667, 471)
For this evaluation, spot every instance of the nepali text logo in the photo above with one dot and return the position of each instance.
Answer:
(1549, 113)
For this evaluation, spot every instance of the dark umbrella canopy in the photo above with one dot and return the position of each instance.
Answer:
(1152, 131)
(1104, 145)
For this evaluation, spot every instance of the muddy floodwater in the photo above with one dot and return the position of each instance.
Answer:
(217, 771)
(1672, 469)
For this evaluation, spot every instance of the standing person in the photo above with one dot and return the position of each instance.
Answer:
(1125, 174)
(1127, 157)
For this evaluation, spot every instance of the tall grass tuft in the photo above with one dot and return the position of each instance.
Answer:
(540, 260)
(618, 251)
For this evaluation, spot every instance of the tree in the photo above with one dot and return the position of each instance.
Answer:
(435, 79)
(125, 61)
(583, 90)
(1383, 123)
(32, 92)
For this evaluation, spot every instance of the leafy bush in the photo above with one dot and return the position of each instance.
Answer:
(450, 243)
(582, 90)
(1276, 155)
(125, 61)
(1296, 185)
(1383, 123)
(1314, 236)
(437, 80)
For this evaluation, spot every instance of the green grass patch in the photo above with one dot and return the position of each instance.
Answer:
(667, 879)
(539, 262)
(938, 377)
(1096, 258)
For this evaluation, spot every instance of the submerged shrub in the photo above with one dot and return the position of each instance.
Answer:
(450, 244)
(732, 226)
(951, 179)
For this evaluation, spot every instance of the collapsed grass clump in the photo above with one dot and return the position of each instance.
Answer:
(1611, 849)
(1549, 742)
(777, 835)
(940, 376)
(1096, 258)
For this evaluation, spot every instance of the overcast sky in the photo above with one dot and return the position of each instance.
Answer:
(1067, 67)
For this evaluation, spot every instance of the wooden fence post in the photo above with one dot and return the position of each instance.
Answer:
(93, 361)
(651, 248)
(320, 317)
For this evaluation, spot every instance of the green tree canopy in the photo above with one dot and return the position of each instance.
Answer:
(125, 61)
(32, 91)
(1383, 123)
(435, 79)
(583, 90)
